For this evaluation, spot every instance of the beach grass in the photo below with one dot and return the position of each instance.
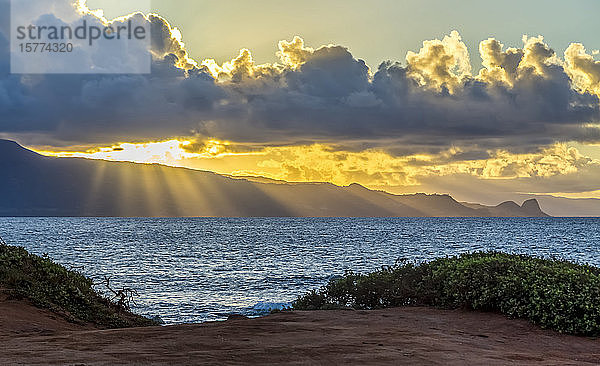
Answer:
(66, 292)
(552, 293)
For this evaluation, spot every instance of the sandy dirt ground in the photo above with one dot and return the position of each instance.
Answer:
(410, 336)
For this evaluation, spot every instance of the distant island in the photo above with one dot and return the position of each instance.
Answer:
(35, 185)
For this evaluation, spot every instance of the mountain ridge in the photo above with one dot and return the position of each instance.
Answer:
(36, 185)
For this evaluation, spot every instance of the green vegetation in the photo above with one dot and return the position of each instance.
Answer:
(66, 292)
(554, 294)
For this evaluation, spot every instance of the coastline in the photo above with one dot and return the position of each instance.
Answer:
(411, 336)
(50, 315)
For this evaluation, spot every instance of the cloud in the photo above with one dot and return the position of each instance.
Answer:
(440, 64)
(167, 40)
(370, 167)
(294, 53)
(583, 69)
(499, 66)
(522, 99)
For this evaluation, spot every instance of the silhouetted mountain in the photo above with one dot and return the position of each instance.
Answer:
(569, 207)
(34, 185)
(530, 208)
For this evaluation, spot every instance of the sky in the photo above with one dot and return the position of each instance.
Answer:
(482, 100)
(375, 31)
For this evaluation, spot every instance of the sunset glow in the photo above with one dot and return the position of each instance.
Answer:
(449, 113)
(322, 163)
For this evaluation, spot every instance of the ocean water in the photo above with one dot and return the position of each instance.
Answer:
(204, 269)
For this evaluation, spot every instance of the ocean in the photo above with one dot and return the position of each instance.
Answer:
(205, 269)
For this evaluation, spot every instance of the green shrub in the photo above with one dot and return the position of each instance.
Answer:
(554, 294)
(66, 292)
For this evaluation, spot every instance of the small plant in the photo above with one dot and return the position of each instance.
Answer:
(123, 297)
(66, 292)
(552, 293)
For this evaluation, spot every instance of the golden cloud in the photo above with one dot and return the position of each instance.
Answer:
(327, 163)
(440, 64)
(583, 69)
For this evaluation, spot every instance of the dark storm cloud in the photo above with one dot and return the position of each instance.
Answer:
(522, 99)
